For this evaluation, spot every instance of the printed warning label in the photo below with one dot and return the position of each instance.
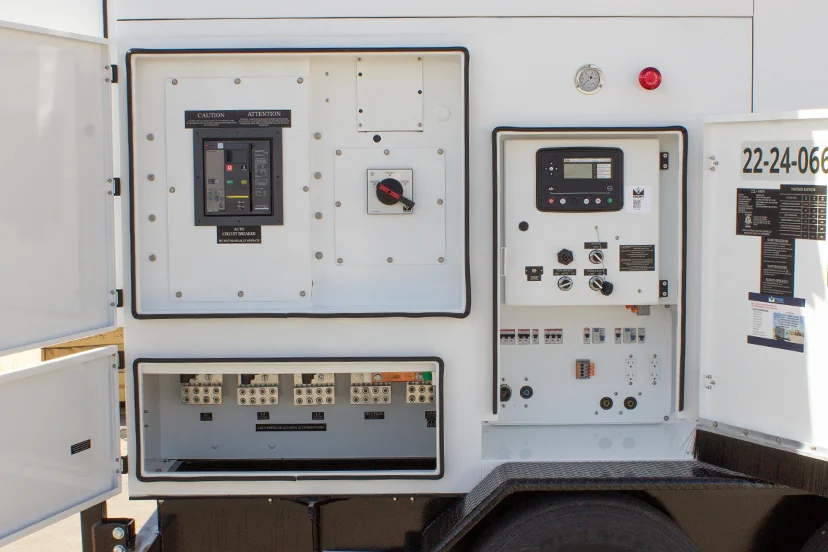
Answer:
(291, 427)
(778, 267)
(238, 234)
(237, 118)
(797, 212)
(776, 322)
(636, 258)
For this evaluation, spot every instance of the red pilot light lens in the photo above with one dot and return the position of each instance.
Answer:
(649, 78)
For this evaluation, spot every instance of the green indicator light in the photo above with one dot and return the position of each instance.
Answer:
(229, 181)
(609, 200)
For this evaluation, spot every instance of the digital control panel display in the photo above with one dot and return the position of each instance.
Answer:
(580, 179)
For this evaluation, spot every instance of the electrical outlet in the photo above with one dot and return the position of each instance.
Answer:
(655, 369)
(629, 370)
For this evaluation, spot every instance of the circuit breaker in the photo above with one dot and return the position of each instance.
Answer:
(588, 241)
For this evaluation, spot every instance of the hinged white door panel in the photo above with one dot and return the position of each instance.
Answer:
(59, 426)
(56, 213)
(764, 312)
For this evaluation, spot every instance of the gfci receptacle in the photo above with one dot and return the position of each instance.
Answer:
(629, 369)
(655, 369)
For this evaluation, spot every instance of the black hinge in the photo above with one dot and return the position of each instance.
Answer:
(124, 465)
(664, 161)
(663, 288)
(114, 78)
(121, 360)
(116, 186)
(119, 298)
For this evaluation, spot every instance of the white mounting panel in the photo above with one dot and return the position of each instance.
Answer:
(551, 232)
(774, 384)
(60, 429)
(415, 239)
(181, 270)
(56, 215)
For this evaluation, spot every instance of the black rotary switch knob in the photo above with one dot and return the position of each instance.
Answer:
(606, 288)
(390, 192)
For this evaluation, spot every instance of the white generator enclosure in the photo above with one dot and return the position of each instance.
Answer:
(766, 280)
(313, 183)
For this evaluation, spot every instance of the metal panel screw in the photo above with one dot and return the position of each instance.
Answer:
(715, 424)
(387, 152)
(118, 533)
(360, 125)
(327, 73)
(317, 135)
(712, 382)
(301, 294)
(525, 406)
(813, 447)
(317, 175)
(152, 258)
(709, 387)
(152, 218)
(305, 188)
(655, 355)
(151, 177)
(359, 59)
(390, 260)
(621, 412)
(745, 431)
(440, 259)
(712, 157)
(175, 82)
(237, 81)
(419, 59)
(712, 168)
(150, 137)
(778, 440)
(639, 291)
(300, 80)
(319, 255)
(339, 152)
(118, 548)
(318, 215)
(439, 202)
(440, 152)
(666, 418)
(709, 376)
(420, 125)
(327, 100)
(339, 261)
(172, 190)
(616, 238)
(241, 294)
(178, 294)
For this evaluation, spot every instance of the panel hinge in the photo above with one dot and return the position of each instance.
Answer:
(124, 464)
(663, 288)
(664, 161)
(121, 360)
(119, 298)
(114, 78)
(116, 187)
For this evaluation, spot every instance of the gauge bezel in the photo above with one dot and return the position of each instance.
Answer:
(578, 82)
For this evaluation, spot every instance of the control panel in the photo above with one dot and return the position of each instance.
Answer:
(580, 179)
(588, 273)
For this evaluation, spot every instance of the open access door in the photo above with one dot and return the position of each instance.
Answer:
(764, 371)
(58, 420)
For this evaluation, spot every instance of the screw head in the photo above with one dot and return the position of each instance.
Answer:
(439, 202)
(439, 151)
(302, 294)
(639, 291)
(305, 188)
(175, 82)
(715, 424)
(300, 80)
(666, 418)
(151, 177)
(390, 260)
(327, 100)
(152, 218)
(241, 294)
(420, 125)
(317, 135)
(745, 431)
(318, 255)
(339, 152)
(152, 258)
(338, 204)
(387, 152)
(178, 294)
(440, 259)
(318, 215)
(317, 175)
(150, 137)
(119, 548)
(237, 81)
(172, 190)
(339, 261)
(118, 533)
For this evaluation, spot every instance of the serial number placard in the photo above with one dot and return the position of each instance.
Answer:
(790, 161)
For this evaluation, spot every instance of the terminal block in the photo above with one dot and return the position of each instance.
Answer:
(257, 390)
(200, 389)
(370, 394)
(313, 389)
(584, 369)
(419, 392)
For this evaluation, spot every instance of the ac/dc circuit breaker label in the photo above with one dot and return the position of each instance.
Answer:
(237, 118)
(238, 234)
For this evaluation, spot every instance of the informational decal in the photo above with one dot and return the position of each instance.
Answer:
(262, 415)
(374, 415)
(776, 322)
(638, 199)
(564, 271)
(317, 416)
(636, 258)
(237, 118)
(291, 427)
(778, 267)
(595, 245)
(238, 234)
(595, 272)
(799, 161)
(797, 212)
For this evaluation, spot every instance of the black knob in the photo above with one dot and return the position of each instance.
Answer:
(565, 256)
(596, 256)
(564, 283)
(389, 191)
(606, 288)
(505, 393)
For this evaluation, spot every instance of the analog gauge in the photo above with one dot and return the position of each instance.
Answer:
(589, 79)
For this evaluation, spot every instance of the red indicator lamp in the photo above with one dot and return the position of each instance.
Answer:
(649, 78)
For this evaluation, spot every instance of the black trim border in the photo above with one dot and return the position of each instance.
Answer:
(130, 148)
(138, 425)
(496, 251)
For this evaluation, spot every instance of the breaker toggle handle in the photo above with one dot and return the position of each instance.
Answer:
(395, 195)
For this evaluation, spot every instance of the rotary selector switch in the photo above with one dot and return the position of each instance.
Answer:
(564, 283)
(596, 256)
(390, 192)
(596, 283)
